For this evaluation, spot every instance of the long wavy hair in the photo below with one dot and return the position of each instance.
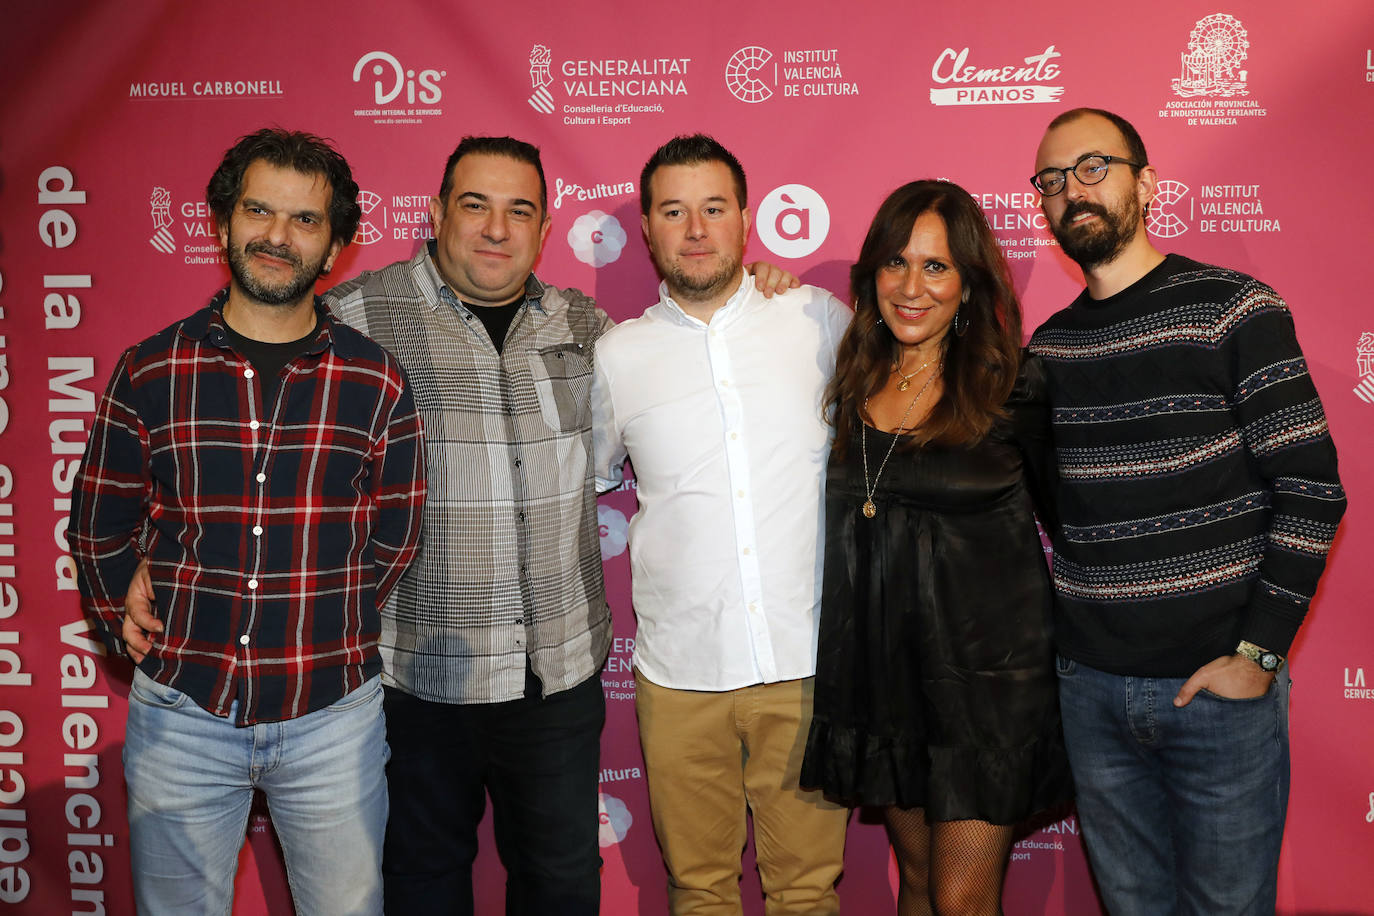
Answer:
(979, 366)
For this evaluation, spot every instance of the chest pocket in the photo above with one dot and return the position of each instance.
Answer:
(563, 382)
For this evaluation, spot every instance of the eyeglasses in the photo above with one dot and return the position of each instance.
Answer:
(1089, 170)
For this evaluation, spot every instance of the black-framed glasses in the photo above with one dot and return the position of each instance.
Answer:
(1090, 169)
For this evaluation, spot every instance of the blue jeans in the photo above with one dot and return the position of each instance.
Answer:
(538, 758)
(191, 777)
(1182, 809)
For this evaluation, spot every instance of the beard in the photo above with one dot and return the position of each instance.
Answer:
(699, 287)
(1102, 242)
(287, 292)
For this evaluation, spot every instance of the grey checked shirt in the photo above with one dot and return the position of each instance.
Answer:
(510, 566)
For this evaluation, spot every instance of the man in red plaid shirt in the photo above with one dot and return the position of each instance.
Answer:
(258, 470)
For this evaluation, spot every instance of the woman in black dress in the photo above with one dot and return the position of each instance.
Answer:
(935, 686)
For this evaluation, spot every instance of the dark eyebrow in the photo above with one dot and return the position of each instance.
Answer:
(518, 201)
(254, 202)
(678, 203)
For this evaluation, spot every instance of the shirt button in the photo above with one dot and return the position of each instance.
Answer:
(243, 640)
(261, 477)
(745, 551)
(734, 435)
(253, 583)
(247, 373)
(257, 530)
(517, 462)
(725, 383)
(519, 621)
(740, 494)
(253, 424)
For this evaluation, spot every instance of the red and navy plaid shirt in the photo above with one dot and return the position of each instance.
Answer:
(273, 531)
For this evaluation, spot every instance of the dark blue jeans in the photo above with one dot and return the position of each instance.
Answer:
(1182, 809)
(538, 758)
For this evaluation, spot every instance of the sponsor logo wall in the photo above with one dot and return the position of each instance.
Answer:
(1256, 119)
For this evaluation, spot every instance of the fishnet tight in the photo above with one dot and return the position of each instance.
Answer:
(947, 868)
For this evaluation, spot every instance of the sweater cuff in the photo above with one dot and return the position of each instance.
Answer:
(1273, 620)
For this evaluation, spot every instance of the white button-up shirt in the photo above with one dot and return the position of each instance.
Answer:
(723, 425)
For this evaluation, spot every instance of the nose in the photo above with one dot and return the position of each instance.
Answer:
(696, 226)
(1074, 188)
(913, 284)
(278, 230)
(497, 229)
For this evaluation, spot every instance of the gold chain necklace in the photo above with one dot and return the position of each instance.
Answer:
(869, 508)
(905, 383)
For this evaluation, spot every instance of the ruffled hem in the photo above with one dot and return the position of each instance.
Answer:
(999, 785)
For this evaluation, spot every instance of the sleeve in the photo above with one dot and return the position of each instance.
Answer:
(1030, 418)
(399, 490)
(1284, 430)
(109, 505)
(608, 446)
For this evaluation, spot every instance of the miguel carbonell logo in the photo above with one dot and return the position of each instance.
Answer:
(792, 221)
(964, 83)
(1364, 368)
(1212, 84)
(207, 89)
(605, 91)
(415, 93)
(754, 74)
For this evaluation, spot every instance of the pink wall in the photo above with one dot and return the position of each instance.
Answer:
(139, 99)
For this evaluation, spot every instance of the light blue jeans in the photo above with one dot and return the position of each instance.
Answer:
(191, 777)
(1182, 809)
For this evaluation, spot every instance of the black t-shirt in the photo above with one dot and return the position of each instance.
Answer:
(269, 358)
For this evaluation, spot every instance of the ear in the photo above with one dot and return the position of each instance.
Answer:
(544, 231)
(436, 214)
(1147, 185)
(222, 230)
(335, 246)
(747, 216)
(644, 227)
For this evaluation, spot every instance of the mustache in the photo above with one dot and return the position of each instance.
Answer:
(285, 254)
(1083, 206)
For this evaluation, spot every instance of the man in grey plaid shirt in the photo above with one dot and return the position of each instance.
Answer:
(493, 640)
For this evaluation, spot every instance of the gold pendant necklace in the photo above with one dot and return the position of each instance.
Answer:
(869, 508)
(905, 383)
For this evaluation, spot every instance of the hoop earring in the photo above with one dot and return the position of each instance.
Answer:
(959, 331)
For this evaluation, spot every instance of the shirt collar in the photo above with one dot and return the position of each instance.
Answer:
(427, 273)
(208, 324)
(737, 302)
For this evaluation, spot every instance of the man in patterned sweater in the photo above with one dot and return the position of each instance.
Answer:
(1199, 498)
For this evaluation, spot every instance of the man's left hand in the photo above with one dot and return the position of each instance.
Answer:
(770, 279)
(1232, 676)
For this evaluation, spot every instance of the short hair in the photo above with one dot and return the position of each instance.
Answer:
(690, 149)
(1135, 147)
(979, 367)
(509, 147)
(296, 150)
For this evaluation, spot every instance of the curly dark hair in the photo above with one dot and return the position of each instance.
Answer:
(979, 366)
(302, 152)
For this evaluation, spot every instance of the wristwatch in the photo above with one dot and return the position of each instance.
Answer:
(1269, 661)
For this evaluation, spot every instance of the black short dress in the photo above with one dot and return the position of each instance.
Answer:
(935, 683)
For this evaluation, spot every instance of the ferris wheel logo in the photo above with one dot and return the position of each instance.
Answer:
(1162, 221)
(1211, 66)
(742, 74)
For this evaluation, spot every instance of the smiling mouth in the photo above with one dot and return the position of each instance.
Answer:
(910, 312)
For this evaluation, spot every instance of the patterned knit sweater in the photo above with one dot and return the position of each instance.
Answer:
(1198, 489)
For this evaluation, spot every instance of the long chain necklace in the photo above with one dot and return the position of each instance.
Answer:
(869, 508)
(905, 383)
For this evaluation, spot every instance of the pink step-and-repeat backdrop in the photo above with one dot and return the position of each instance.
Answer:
(1258, 115)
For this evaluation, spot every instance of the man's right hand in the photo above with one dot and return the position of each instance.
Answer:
(139, 621)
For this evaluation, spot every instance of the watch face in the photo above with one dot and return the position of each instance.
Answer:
(1269, 661)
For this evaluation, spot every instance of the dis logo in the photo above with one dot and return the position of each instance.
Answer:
(792, 221)
(392, 78)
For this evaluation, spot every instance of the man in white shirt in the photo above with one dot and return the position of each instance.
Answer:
(714, 394)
